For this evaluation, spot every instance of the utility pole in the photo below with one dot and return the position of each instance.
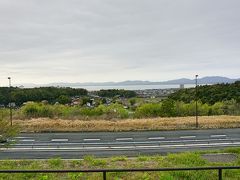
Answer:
(196, 99)
(10, 100)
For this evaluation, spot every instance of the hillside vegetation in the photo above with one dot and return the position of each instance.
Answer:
(166, 108)
(220, 99)
(50, 94)
(209, 94)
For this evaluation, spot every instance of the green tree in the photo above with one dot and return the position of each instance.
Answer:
(63, 99)
(148, 110)
(85, 100)
(209, 94)
(168, 108)
(51, 94)
(132, 101)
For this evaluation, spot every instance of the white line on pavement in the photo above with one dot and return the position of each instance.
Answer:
(120, 147)
(59, 140)
(91, 139)
(124, 139)
(218, 135)
(27, 140)
(126, 142)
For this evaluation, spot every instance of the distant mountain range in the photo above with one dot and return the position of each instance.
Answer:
(204, 80)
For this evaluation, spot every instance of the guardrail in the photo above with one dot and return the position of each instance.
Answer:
(105, 171)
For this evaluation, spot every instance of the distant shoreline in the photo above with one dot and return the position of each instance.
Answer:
(133, 87)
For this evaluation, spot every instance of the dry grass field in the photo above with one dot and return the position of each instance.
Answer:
(205, 122)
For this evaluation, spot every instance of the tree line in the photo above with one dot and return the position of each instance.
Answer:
(209, 94)
(166, 108)
(53, 94)
(116, 92)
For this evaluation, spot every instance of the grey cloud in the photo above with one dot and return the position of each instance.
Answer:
(81, 40)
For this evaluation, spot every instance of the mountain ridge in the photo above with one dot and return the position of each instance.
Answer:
(203, 80)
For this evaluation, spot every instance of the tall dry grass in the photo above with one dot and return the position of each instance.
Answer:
(205, 122)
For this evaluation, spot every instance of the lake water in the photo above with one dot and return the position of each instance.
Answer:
(134, 87)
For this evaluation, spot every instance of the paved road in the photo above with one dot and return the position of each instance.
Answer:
(103, 144)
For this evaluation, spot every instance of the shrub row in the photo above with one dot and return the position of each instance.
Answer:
(171, 108)
(167, 108)
(35, 110)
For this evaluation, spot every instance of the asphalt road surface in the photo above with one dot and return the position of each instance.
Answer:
(105, 144)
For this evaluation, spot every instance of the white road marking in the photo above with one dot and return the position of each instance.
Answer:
(120, 147)
(124, 139)
(219, 135)
(59, 140)
(126, 142)
(91, 139)
(22, 137)
(27, 140)
(156, 138)
(187, 137)
(130, 142)
(12, 140)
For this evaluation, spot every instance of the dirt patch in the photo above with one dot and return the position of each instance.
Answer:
(220, 157)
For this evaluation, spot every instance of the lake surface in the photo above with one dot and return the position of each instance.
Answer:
(134, 87)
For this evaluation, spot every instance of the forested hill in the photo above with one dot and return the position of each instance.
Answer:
(51, 94)
(209, 93)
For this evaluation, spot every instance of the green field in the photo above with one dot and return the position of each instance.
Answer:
(188, 159)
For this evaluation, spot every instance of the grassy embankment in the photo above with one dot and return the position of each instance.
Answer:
(188, 159)
(205, 122)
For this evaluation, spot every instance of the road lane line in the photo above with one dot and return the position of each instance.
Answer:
(125, 142)
(187, 137)
(22, 137)
(156, 138)
(120, 147)
(12, 140)
(218, 135)
(59, 140)
(27, 140)
(124, 139)
(91, 139)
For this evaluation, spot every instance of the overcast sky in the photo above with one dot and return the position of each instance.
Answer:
(43, 41)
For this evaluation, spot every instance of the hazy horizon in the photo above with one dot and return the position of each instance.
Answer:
(121, 83)
(100, 41)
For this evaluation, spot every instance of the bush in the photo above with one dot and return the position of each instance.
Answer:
(7, 132)
(115, 111)
(91, 111)
(63, 99)
(148, 110)
(30, 110)
(34, 110)
(168, 108)
(217, 108)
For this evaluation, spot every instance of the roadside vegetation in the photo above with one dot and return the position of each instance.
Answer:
(217, 105)
(7, 132)
(165, 108)
(187, 159)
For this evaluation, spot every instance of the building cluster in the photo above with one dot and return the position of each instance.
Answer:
(154, 93)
